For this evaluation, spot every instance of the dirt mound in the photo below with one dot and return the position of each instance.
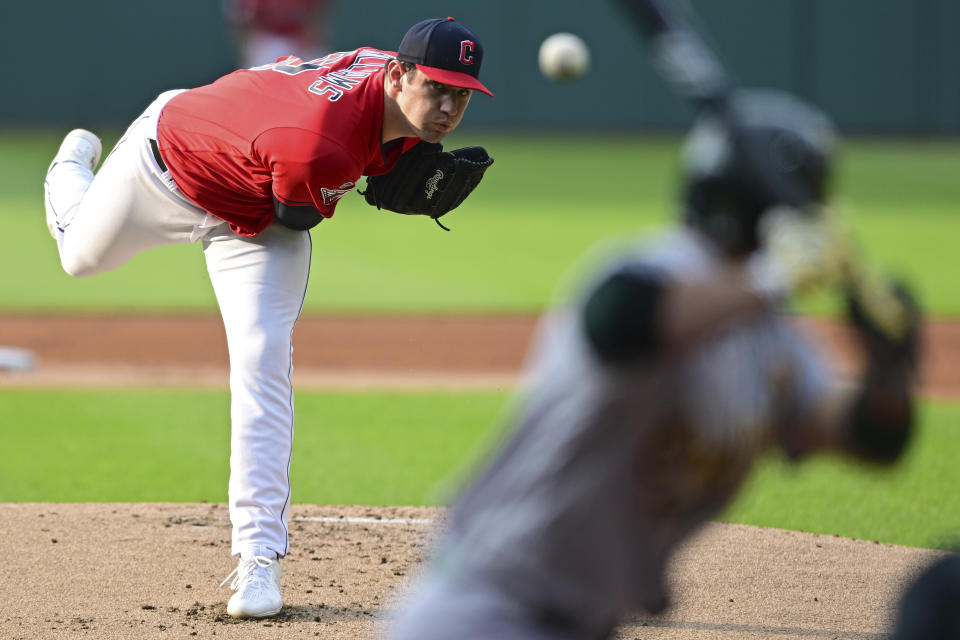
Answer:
(151, 571)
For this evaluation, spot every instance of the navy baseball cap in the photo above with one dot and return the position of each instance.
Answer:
(445, 51)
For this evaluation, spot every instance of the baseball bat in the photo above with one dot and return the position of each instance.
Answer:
(696, 73)
(682, 56)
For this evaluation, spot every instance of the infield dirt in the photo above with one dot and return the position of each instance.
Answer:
(110, 571)
(343, 351)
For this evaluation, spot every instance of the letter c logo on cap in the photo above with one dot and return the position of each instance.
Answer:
(466, 51)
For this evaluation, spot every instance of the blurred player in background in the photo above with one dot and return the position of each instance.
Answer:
(655, 391)
(246, 166)
(267, 30)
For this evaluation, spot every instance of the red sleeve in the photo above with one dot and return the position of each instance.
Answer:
(389, 160)
(307, 168)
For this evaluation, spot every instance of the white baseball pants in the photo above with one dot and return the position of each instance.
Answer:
(132, 205)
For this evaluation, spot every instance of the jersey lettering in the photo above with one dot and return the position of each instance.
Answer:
(293, 65)
(335, 83)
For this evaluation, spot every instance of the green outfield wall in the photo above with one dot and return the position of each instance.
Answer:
(877, 66)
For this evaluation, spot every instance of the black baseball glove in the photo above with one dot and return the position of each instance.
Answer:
(887, 320)
(428, 181)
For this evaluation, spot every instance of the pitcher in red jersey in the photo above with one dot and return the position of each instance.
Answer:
(246, 166)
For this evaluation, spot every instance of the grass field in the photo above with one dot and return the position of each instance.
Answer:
(541, 207)
(411, 448)
(372, 448)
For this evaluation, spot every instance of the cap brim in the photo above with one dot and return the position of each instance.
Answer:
(453, 78)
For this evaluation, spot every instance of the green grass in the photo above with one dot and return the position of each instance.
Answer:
(371, 448)
(542, 205)
(414, 448)
(914, 503)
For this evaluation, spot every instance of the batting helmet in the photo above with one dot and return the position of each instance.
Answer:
(777, 153)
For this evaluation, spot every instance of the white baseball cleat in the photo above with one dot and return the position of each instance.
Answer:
(256, 582)
(80, 146)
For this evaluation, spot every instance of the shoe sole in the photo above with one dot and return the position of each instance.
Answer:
(245, 614)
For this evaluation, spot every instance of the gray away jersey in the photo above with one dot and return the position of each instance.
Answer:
(608, 470)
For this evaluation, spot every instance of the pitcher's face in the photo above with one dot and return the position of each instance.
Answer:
(432, 109)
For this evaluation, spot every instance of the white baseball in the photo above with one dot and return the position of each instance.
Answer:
(564, 56)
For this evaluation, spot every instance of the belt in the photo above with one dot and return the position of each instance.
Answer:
(156, 155)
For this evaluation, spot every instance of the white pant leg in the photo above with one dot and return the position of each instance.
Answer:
(260, 284)
(128, 207)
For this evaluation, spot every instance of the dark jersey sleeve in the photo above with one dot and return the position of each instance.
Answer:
(621, 315)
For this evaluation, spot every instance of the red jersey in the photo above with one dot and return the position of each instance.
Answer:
(303, 132)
